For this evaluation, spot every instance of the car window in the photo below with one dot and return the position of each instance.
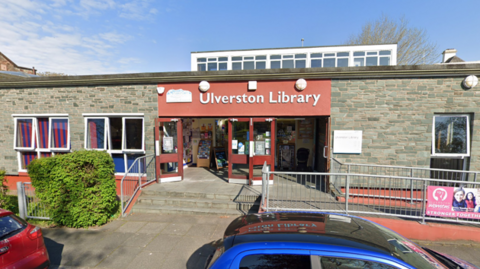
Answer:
(342, 263)
(8, 225)
(277, 261)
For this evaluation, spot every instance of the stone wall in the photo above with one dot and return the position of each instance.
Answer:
(73, 101)
(396, 117)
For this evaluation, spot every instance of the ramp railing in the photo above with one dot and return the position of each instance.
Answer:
(369, 194)
(139, 174)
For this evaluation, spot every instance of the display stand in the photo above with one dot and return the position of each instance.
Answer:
(204, 153)
(286, 156)
(220, 157)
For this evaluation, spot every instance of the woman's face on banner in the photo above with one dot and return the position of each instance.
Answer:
(459, 196)
(470, 196)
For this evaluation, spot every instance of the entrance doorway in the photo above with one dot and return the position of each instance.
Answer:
(169, 149)
(251, 144)
(235, 149)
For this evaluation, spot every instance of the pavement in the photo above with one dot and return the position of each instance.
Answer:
(166, 241)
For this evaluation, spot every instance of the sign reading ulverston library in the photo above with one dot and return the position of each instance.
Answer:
(279, 98)
(233, 98)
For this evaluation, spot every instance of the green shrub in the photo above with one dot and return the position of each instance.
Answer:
(3, 190)
(78, 188)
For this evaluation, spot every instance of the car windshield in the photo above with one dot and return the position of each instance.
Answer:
(9, 225)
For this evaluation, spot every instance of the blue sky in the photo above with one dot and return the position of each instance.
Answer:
(79, 37)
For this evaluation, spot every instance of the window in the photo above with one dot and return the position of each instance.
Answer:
(39, 136)
(212, 64)
(275, 261)
(451, 135)
(123, 137)
(339, 263)
(316, 60)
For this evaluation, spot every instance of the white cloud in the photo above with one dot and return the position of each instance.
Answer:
(97, 4)
(50, 34)
(114, 37)
(137, 10)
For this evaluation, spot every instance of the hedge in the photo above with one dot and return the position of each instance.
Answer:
(78, 188)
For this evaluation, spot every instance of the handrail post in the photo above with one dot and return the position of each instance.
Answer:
(265, 178)
(347, 192)
(21, 200)
(424, 201)
(411, 186)
(139, 174)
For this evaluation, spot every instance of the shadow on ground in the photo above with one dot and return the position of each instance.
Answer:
(55, 251)
(198, 259)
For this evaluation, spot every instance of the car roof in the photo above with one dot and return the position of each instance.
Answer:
(323, 229)
(310, 227)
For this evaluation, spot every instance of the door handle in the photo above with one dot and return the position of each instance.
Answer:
(324, 149)
(250, 147)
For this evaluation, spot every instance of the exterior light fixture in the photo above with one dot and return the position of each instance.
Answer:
(252, 85)
(160, 90)
(301, 84)
(470, 81)
(204, 86)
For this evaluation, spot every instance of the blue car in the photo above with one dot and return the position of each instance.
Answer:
(320, 241)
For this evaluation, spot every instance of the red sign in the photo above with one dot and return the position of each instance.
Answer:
(224, 99)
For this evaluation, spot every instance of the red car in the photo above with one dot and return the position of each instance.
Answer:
(21, 244)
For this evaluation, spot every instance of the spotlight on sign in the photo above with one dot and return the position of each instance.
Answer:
(470, 81)
(204, 86)
(160, 90)
(301, 84)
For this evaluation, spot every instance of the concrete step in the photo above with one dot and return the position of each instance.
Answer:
(211, 196)
(195, 202)
(170, 202)
(165, 209)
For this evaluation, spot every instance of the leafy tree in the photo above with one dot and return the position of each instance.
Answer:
(413, 45)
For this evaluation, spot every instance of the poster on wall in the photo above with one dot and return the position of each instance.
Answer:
(349, 142)
(453, 202)
(305, 129)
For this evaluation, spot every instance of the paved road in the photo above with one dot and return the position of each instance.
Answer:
(164, 241)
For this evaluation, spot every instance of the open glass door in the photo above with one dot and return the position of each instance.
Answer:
(169, 149)
(238, 150)
(262, 145)
(251, 144)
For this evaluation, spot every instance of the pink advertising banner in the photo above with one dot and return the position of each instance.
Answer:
(453, 202)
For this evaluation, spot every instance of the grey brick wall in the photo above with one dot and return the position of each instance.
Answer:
(73, 101)
(396, 117)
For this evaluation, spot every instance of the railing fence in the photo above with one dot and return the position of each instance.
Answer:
(29, 205)
(140, 173)
(357, 189)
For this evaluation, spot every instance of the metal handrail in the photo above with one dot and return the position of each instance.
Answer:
(410, 168)
(382, 195)
(138, 171)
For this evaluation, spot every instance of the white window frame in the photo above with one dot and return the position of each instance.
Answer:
(50, 134)
(123, 151)
(15, 133)
(124, 135)
(35, 130)
(452, 155)
(107, 128)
